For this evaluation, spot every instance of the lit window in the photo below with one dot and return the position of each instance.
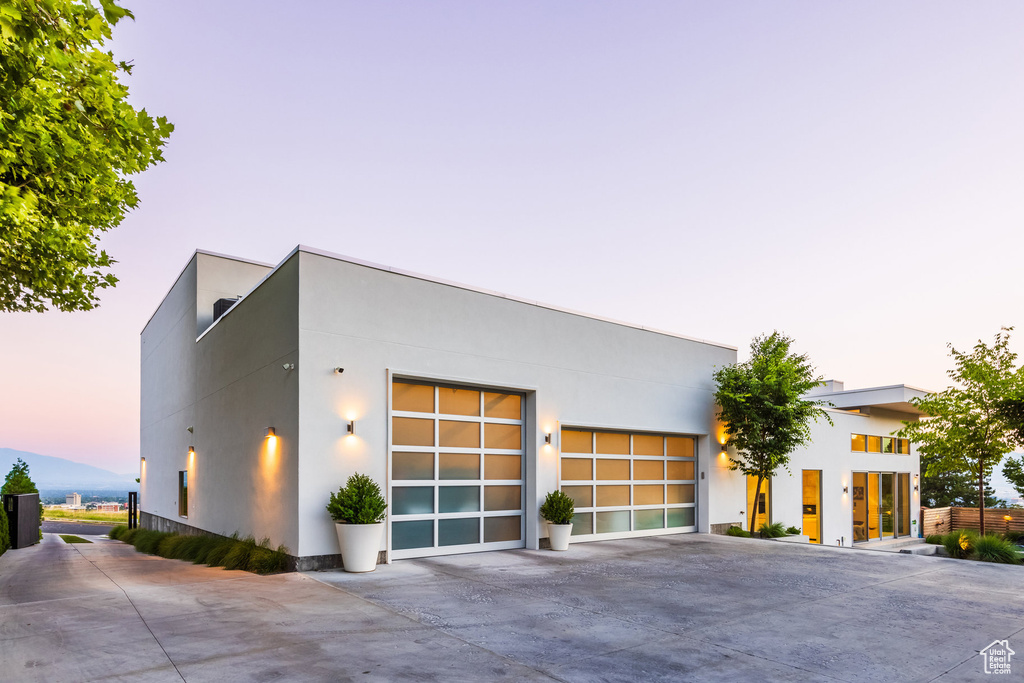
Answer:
(183, 493)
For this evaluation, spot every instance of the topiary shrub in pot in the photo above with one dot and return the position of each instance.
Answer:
(358, 510)
(558, 509)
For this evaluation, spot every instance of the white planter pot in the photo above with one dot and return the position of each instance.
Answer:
(559, 535)
(360, 544)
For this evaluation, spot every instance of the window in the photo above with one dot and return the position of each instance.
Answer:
(183, 493)
(863, 443)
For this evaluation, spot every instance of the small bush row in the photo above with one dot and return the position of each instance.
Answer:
(966, 544)
(766, 530)
(216, 551)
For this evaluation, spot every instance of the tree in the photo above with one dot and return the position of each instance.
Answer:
(964, 431)
(68, 141)
(1013, 470)
(18, 480)
(762, 406)
(944, 489)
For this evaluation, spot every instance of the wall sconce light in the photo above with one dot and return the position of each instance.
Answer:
(270, 432)
(191, 450)
(547, 438)
(338, 371)
(143, 460)
(351, 427)
(915, 483)
(190, 431)
(846, 489)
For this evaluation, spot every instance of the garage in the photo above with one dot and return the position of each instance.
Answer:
(456, 469)
(628, 484)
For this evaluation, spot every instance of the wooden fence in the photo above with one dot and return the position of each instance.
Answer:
(943, 520)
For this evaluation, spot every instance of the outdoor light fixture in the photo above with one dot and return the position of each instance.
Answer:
(289, 366)
(191, 450)
(271, 432)
(351, 427)
(915, 482)
(190, 429)
(846, 489)
(547, 438)
(338, 371)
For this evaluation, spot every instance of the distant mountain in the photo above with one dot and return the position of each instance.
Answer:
(50, 473)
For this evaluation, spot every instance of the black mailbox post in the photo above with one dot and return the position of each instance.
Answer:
(22, 518)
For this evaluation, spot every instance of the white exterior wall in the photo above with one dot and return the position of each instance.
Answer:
(829, 451)
(575, 370)
(229, 386)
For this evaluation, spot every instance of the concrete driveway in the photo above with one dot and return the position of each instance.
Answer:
(688, 607)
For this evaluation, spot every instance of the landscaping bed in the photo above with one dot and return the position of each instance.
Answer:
(216, 551)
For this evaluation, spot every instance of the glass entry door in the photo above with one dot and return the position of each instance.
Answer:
(881, 505)
(812, 505)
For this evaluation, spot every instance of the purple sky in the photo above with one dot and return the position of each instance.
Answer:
(848, 173)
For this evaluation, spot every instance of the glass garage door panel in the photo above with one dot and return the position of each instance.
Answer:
(456, 470)
(623, 483)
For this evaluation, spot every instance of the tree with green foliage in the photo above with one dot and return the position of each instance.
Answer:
(944, 489)
(68, 141)
(763, 408)
(964, 431)
(18, 480)
(1013, 470)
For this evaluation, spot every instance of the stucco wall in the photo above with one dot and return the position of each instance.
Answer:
(576, 371)
(229, 386)
(829, 451)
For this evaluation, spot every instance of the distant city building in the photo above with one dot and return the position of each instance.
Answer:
(108, 507)
(73, 500)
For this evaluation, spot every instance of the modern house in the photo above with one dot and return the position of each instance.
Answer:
(264, 387)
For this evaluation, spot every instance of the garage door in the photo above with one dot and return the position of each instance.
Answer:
(456, 470)
(629, 484)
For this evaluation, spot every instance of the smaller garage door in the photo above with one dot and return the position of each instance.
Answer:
(457, 462)
(629, 484)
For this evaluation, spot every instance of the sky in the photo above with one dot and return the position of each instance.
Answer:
(847, 173)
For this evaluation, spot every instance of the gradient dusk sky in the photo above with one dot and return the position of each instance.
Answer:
(849, 173)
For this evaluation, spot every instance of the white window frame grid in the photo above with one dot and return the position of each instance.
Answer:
(594, 482)
(436, 482)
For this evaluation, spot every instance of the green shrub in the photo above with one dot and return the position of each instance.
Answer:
(558, 508)
(359, 501)
(1014, 536)
(129, 536)
(794, 531)
(934, 539)
(960, 544)
(215, 557)
(239, 553)
(168, 545)
(996, 549)
(118, 531)
(203, 548)
(266, 560)
(187, 548)
(736, 531)
(772, 530)
(147, 541)
(5, 534)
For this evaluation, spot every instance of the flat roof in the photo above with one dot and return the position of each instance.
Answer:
(895, 397)
(449, 283)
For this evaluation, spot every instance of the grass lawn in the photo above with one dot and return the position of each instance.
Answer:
(68, 538)
(86, 516)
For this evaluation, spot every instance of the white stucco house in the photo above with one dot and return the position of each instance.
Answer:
(264, 387)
